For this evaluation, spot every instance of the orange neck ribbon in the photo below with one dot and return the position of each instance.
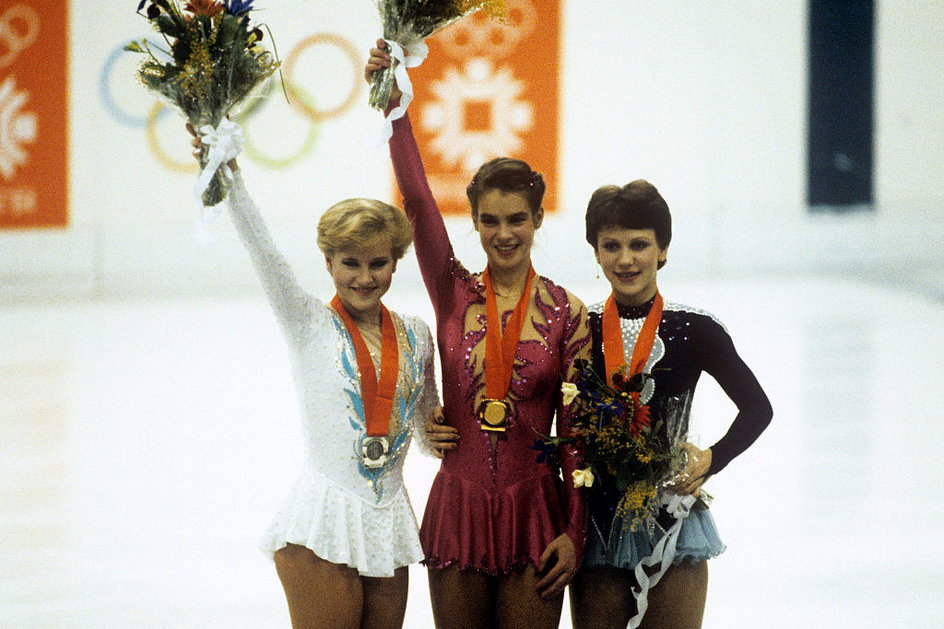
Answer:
(377, 397)
(613, 352)
(500, 347)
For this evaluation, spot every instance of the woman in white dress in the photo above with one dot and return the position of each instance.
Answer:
(346, 531)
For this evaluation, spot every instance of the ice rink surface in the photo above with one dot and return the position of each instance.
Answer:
(144, 445)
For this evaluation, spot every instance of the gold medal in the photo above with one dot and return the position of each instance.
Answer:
(494, 414)
(500, 348)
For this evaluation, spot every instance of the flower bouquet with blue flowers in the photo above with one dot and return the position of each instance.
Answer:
(616, 436)
(213, 63)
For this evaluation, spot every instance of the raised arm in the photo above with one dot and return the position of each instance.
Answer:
(430, 238)
(293, 307)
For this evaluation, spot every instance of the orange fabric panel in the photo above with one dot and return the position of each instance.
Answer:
(490, 89)
(33, 113)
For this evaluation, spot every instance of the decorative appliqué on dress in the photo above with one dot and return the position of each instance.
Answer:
(406, 405)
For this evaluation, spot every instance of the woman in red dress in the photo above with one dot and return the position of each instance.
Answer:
(502, 533)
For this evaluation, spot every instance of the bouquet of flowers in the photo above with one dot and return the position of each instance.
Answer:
(616, 436)
(213, 64)
(406, 23)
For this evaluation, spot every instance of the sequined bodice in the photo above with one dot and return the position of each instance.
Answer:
(691, 341)
(553, 336)
(548, 345)
(325, 371)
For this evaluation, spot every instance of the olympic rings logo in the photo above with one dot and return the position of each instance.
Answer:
(349, 51)
(299, 100)
(19, 28)
(477, 35)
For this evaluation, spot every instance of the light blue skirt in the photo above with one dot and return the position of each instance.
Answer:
(698, 540)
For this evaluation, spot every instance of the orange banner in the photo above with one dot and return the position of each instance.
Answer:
(490, 89)
(33, 129)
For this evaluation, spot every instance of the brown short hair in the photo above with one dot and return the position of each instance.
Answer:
(637, 205)
(355, 223)
(510, 176)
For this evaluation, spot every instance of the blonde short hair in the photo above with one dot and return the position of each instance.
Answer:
(354, 223)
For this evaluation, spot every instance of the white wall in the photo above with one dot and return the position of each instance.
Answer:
(707, 100)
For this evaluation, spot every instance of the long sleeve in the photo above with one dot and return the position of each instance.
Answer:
(293, 307)
(575, 347)
(430, 239)
(739, 383)
(429, 399)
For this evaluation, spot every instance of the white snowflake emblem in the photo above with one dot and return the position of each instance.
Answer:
(478, 113)
(16, 128)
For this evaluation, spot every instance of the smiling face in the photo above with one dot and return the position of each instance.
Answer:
(630, 260)
(362, 275)
(506, 229)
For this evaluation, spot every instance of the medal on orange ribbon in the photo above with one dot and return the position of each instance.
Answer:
(376, 395)
(500, 348)
(613, 351)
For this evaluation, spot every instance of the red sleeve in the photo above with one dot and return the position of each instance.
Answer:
(430, 240)
(575, 346)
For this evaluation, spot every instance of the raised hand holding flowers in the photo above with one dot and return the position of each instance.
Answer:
(406, 24)
(214, 62)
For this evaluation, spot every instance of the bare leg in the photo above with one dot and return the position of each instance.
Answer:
(678, 602)
(518, 605)
(385, 600)
(601, 598)
(320, 594)
(461, 598)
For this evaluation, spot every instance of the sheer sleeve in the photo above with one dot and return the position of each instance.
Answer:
(739, 383)
(429, 398)
(434, 251)
(293, 307)
(575, 347)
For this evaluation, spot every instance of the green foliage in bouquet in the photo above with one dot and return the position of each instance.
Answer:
(616, 437)
(409, 22)
(214, 62)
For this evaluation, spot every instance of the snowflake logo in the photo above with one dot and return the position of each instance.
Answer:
(477, 113)
(16, 128)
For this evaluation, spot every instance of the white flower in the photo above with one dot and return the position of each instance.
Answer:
(570, 391)
(583, 478)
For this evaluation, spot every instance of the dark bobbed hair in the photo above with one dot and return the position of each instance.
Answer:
(508, 175)
(637, 205)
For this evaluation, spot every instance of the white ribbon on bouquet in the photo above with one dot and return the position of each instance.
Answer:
(224, 143)
(678, 506)
(404, 56)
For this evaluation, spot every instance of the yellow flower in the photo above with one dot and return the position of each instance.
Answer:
(635, 502)
(583, 478)
(570, 391)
